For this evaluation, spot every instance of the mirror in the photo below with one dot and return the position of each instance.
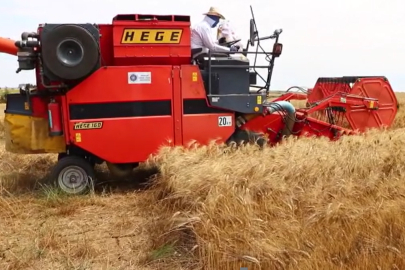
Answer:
(252, 32)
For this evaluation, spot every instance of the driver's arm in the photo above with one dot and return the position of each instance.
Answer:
(211, 43)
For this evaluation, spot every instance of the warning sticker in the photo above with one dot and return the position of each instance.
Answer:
(139, 78)
(78, 137)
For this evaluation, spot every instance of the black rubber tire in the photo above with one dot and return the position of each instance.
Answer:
(62, 155)
(74, 34)
(80, 168)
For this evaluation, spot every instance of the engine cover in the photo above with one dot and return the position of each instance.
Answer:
(70, 51)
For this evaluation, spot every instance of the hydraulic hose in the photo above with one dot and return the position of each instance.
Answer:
(284, 106)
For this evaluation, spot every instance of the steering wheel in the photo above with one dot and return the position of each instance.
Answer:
(230, 43)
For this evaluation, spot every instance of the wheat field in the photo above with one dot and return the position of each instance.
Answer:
(306, 204)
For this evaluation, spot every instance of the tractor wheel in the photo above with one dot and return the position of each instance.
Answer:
(72, 174)
(63, 155)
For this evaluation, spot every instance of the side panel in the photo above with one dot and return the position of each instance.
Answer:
(202, 123)
(126, 111)
(177, 107)
(26, 127)
(106, 43)
(160, 41)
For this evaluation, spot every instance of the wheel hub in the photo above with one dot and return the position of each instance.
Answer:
(73, 179)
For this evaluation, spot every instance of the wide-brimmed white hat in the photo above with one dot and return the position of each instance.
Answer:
(214, 11)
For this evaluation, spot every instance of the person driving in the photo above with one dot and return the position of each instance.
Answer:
(202, 35)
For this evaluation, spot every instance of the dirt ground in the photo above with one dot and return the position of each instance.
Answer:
(48, 232)
(42, 229)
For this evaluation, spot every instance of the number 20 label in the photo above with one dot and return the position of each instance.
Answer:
(225, 121)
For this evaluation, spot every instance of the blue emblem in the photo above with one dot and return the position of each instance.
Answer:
(133, 77)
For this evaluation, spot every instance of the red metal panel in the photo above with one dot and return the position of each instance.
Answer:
(39, 106)
(203, 127)
(65, 115)
(387, 104)
(177, 107)
(157, 47)
(126, 139)
(192, 83)
(110, 84)
(106, 44)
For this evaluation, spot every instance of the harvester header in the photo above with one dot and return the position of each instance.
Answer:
(117, 92)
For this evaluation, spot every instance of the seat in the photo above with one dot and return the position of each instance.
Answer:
(195, 51)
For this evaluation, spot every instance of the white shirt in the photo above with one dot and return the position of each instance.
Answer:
(202, 37)
(227, 31)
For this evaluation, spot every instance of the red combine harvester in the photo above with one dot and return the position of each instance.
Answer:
(117, 92)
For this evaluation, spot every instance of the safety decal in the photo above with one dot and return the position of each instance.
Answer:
(139, 77)
(88, 125)
(195, 76)
(151, 36)
(225, 121)
(78, 137)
